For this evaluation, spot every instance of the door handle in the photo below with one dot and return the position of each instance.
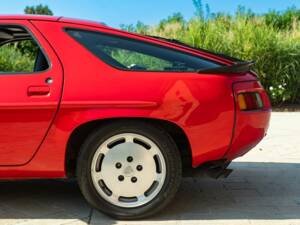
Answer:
(38, 90)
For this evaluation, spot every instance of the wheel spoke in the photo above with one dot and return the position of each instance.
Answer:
(114, 198)
(129, 139)
(141, 198)
(104, 150)
(159, 177)
(97, 175)
(153, 150)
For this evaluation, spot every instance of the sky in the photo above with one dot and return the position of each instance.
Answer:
(116, 12)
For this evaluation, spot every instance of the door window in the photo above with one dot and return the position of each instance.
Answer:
(19, 52)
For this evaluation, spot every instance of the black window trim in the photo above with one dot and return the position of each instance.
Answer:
(37, 43)
(13, 40)
(65, 29)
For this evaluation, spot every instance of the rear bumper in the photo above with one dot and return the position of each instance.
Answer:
(250, 126)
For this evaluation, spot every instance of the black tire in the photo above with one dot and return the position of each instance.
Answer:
(168, 149)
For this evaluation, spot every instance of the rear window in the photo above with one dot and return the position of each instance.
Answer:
(129, 54)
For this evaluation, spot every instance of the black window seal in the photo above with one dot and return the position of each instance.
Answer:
(36, 42)
(13, 40)
(65, 29)
(237, 68)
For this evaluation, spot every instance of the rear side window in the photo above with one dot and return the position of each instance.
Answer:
(129, 54)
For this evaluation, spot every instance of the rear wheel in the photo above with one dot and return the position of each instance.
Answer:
(129, 170)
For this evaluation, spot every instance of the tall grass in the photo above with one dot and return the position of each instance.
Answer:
(275, 48)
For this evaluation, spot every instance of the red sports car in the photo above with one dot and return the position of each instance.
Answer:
(127, 115)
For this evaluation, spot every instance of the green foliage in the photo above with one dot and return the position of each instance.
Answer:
(138, 28)
(27, 47)
(283, 20)
(13, 59)
(272, 40)
(175, 18)
(243, 12)
(39, 9)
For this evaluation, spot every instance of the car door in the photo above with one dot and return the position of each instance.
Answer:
(31, 78)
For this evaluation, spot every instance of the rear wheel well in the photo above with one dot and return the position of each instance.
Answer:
(79, 135)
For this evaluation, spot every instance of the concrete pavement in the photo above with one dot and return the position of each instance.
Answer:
(263, 189)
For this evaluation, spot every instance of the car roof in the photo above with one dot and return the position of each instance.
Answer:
(81, 21)
(51, 18)
(29, 17)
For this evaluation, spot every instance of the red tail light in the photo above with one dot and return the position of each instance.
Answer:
(250, 101)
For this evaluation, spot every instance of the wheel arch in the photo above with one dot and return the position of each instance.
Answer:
(80, 133)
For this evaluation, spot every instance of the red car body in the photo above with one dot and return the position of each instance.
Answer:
(36, 130)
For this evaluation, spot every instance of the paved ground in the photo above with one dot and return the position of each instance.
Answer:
(263, 189)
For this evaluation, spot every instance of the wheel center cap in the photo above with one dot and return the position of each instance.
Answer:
(128, 170)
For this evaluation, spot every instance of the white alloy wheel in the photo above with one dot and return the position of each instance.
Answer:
(128, 170)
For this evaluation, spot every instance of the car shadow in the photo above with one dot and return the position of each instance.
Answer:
(255, 190)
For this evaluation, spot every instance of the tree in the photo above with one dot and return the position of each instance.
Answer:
(39, 9)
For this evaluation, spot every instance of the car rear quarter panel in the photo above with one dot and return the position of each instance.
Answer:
(250, 126)
(202, 105)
